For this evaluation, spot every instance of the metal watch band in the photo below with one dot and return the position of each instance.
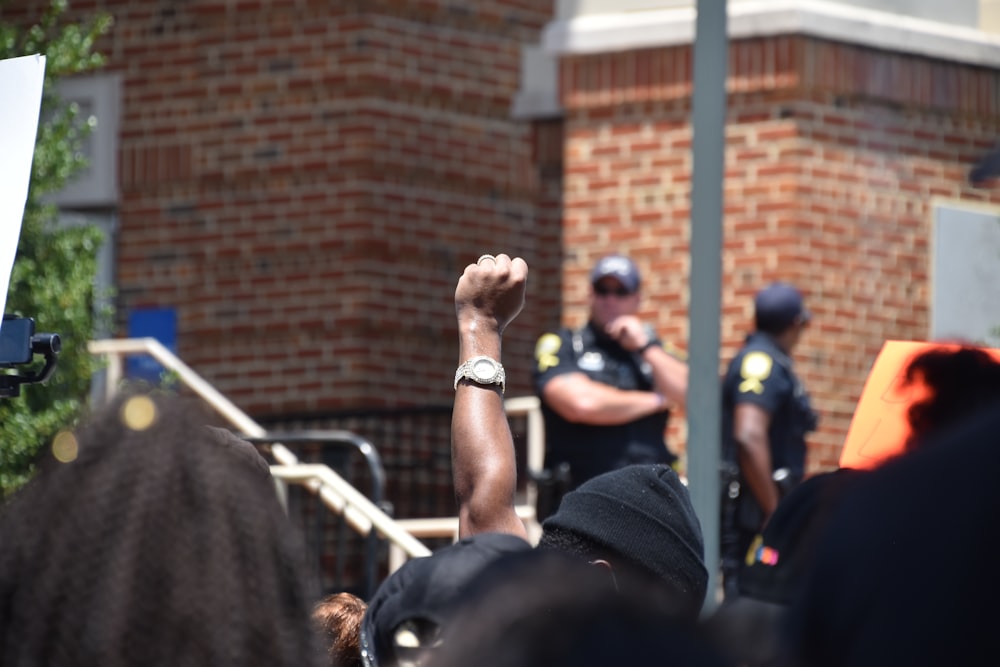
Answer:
(467, 370)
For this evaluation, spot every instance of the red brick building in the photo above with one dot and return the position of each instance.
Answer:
(303, 181)
(845, 129)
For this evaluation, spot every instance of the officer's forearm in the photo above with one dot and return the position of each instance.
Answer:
(755, 465)
(669, 373)
(581, 400)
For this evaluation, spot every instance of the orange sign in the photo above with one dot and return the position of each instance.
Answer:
(879, 428)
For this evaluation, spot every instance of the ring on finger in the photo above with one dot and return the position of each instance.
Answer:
(482, 257)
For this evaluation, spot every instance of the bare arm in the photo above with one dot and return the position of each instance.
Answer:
(750, 426)
(670, 374)
(579, 399)
(488, 297)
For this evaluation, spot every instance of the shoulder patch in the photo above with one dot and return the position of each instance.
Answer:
(547, 350)
(756, 368)
(548, 344)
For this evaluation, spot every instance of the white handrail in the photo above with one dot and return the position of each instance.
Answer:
(357, 510)
(531, 407)
(335, 491)
(115, 349)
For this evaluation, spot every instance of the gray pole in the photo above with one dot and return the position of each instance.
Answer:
(704, 396)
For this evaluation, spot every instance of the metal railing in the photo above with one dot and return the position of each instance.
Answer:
(363, 515)
(339, 440)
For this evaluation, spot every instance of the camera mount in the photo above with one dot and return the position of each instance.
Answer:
(18, 346)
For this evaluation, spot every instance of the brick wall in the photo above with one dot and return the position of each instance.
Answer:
(305, 180)
(834, 154)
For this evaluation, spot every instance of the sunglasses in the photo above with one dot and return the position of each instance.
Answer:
(604, 290)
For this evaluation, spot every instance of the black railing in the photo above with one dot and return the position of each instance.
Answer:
(347, 561)
(414, 445)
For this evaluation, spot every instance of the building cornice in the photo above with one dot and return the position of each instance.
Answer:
(626, 31)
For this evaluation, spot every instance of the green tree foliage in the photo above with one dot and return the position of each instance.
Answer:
(53, 275)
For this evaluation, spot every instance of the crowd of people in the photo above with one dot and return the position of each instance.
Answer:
(148, 538)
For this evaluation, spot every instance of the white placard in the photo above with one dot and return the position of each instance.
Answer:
(21, 82)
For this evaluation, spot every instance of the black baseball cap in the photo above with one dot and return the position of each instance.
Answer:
(778, 306)
(620, 268)
(410, 608)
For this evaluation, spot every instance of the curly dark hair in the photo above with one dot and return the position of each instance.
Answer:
(338, 619)
(960, 382)
(144, 542)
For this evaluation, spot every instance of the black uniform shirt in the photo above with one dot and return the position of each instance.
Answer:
(761, 374)
(594, 449)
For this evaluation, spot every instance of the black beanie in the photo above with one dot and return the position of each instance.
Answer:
(642, 513)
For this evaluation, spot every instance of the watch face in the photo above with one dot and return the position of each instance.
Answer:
(484, 369)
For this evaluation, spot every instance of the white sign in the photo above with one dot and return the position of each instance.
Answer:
(21, 82)
(965, 274)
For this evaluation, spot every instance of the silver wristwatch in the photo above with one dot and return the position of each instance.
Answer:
(482, 370)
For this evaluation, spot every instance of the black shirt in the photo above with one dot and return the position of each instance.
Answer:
(588, 448)
(761, 374)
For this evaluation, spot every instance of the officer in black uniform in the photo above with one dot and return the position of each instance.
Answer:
(766, 415)
(606, 388)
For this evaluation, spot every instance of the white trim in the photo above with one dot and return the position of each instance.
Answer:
(761, 18)
(539, 93)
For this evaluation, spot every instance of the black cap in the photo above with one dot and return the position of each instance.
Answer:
(620, 268)
(642, 512)
(777, 307)
(422, 594)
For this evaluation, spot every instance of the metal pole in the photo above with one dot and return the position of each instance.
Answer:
(704, 397)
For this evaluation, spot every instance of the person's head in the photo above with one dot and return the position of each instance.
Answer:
(411, 609)
(958, 383)
(775, 567)
(144, 542)
(639, 520)
(337, 617)
(243, 450)
(905, 570)
(614, 289)
(779, 311)
(547, 608)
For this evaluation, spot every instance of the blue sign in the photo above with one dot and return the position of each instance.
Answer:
(158, 323)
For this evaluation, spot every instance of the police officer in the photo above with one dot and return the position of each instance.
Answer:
(765, 417)
(607, 387)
